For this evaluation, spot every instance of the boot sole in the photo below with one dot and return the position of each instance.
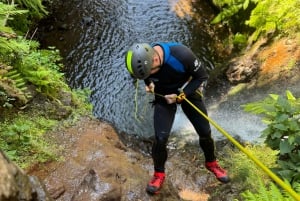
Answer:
(151, 190)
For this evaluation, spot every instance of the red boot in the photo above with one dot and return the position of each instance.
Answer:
(156, 182)
(220, 173)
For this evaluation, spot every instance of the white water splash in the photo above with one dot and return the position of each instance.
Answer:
(229, 115)
(233, 120)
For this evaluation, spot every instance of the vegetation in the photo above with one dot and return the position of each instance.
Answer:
(282, 116)
(22, 63)
(249, 21)
(22, 139)
(244, 172)
(252, 19)
(266, 193)
(26, 71)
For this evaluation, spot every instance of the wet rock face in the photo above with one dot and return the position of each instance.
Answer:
(97, 165)
(242, 70)
(92, 188)
(16, 185)
(276, 62)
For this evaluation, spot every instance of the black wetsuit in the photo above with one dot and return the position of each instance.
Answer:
(179, 65)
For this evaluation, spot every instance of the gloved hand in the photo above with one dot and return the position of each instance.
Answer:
(180, 98)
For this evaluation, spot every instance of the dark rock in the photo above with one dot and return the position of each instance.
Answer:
(242, 70)
(16, 185)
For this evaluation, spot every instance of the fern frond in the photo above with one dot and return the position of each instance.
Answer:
(34, 6)
(264, 193)
(6, 11)
(296, 187)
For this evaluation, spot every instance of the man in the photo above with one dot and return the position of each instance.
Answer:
(172, 72)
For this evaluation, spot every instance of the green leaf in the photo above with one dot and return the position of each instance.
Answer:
(246, 4)
(293, 125)
(289, 95)
(285, 147)
(217, 19)
(297, 138)
(266, 132)
(291, 139)
(281, 118)
(280, 127)
(283, 104)
(12, 154)
(276, 135)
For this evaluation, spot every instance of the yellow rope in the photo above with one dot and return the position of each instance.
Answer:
(260, 164)
(253, 158)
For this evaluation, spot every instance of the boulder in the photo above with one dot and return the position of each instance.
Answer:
(15, 185)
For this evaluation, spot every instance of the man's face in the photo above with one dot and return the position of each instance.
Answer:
(155, 64)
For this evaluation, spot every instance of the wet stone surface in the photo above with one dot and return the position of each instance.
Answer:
(97, 165)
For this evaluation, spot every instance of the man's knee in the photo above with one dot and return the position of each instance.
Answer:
(161, 141)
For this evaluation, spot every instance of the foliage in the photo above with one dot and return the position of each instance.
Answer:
(230, 8)
(12, 87)
(282, 115)
(26, 70)
(245, 172)
(28, 65)
(39, 67)
(34, 11)
(22, 136)
(22, 139)
(247, 175)
(35, 7)
(267, 17)
(81, 101)
(270, 16)
(6, 13)
(273, 193)
(23, 64)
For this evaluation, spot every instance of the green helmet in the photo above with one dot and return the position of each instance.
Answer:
(139, 60)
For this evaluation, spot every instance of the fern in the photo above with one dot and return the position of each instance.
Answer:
(229, 9)
(6, 13)
(12, 86)
(13, 49)
(40, 69)
(268, 18)
(28, 64)
(273, 193)
(35, 6)
(22, 13)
